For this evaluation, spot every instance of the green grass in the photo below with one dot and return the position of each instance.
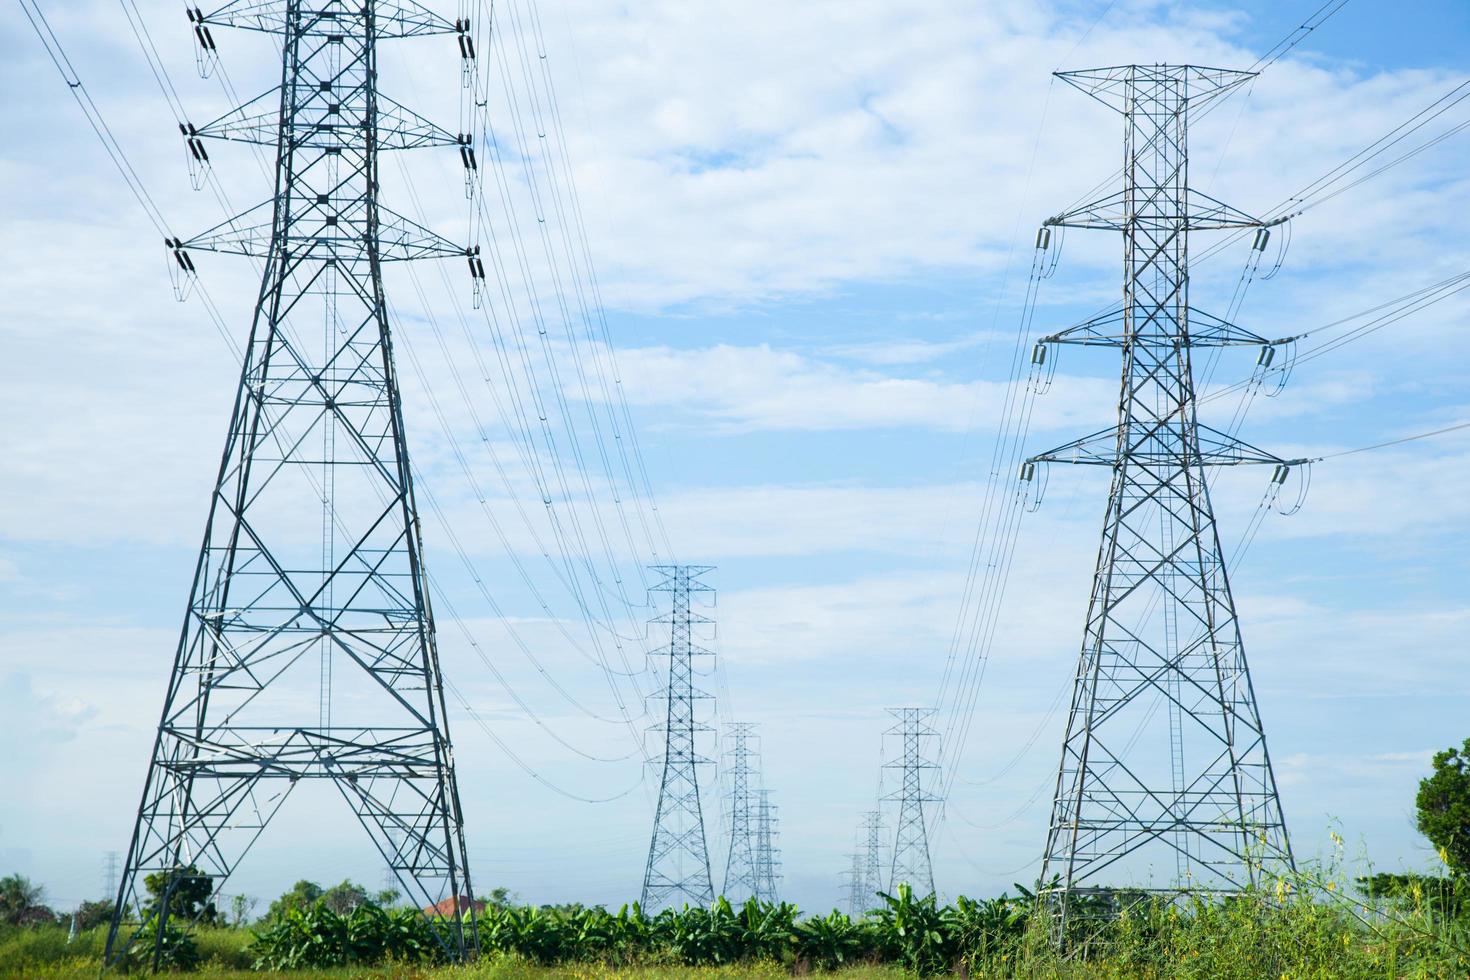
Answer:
(1260, 936)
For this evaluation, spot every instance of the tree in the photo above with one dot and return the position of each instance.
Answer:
(22, 902)
(1444, 807)
(187, 891)
(302, 895)
(92, 914)
(240, 908)
(500, 897)
(343, 898)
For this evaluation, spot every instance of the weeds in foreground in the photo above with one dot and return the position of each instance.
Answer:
(1274, 933)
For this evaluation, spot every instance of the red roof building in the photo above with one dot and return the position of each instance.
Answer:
(456, 905)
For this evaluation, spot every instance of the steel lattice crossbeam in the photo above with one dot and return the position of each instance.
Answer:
(308, 650)
(678, 869)
(1190, 784)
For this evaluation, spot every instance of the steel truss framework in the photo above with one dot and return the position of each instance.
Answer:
(678, 869)
(767, 863)
(1190, 787)
(911, 862)
(872, 841)
(857, 901)
(308, 649)
(741, 881)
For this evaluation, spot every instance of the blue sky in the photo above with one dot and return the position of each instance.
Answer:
(812, 226)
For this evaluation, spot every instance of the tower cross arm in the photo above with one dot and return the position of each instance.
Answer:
(391, 18)
(396, 126)
(398, 238)
(1145, 446)
(1204, 330)
(1115, 87)
(1198, 212)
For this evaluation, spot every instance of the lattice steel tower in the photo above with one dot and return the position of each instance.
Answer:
(911, 844)
(740, 866)
(872, 838)
(678, 870)
(767, 863)
(857, 901)
(1189, 788)
(308, 649)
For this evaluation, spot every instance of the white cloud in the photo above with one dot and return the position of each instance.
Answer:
(748, 388)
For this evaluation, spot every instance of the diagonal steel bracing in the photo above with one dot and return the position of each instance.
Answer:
(308, 648)
(1164, 768)
(678, 868)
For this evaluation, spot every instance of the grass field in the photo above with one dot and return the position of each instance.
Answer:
(1279, 934)
(1288, 946)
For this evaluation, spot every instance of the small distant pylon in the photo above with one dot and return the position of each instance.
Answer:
(109, 873)
(767, 867)
(857, 899)
(678, 870)
(911, 844)
(872, 836)
(741, 880)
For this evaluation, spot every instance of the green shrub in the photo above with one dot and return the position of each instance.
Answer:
(317, 937)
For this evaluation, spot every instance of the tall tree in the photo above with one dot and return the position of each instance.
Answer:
(1444, 807)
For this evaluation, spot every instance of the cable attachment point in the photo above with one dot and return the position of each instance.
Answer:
(471, 165)
(1303, 468)
(1043, 367)
(1045, 263)
(1283, 350)
(466, 52)
(477, 273)
(1031, 490)
(206, 55)
(181, 273)
(198, 156)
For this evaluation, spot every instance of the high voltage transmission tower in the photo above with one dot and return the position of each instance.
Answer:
(308, 648)
(678, 870)
(767, 867)
(741, 881)
(872, 841)
(857, 899)
(1190, 785)
(109, 873)
(911, 843)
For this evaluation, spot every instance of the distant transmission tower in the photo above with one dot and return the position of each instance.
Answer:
(740, 867)
(109, 874)
(308, 648)
(872, 840)
(1189, 787)
(767, 863)
(678, 870)
(911, 843)
(857, 899)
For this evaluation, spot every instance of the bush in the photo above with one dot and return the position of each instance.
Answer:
(318, 937)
